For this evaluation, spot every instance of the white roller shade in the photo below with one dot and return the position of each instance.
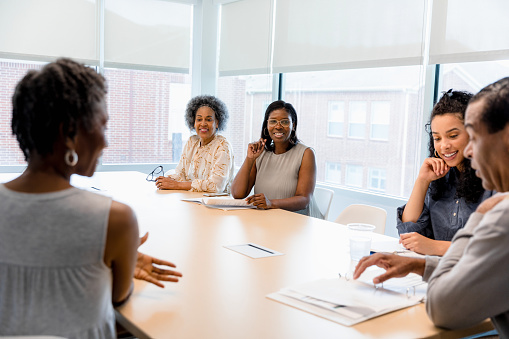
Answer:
(245, 45)
(46, 29)
(469, 30)
(339, 34)
(147, 34)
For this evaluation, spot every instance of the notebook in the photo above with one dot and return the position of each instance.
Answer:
(345, 301)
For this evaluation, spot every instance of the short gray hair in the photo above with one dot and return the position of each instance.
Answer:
(214, 103)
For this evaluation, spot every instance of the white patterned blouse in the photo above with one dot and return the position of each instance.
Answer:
(209, 168)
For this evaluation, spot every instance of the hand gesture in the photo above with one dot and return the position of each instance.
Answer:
(395, 266)
(260, 201)
(433, 169)
(420, 244)
(166, 183)
(145, 269)
(254, 149)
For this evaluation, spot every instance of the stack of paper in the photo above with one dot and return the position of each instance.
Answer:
(226, 203)
(347, 302)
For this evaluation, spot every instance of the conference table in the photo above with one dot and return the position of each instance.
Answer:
(222, 293)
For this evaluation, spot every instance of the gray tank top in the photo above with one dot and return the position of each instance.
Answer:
(277, 176)
(53, 280)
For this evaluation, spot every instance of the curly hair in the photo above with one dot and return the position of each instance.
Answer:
(53, 103)
(214, 103)
(280, 104)
(468, 185)
(496, 105)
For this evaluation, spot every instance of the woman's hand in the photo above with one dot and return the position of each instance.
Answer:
(260, 201)
(166, 183)
(433, 169)
(145, 269)
(420, 244)
(254, 149)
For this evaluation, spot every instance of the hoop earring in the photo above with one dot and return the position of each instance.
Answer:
(436, 154)
(267, 134)
(292, 137)
(71, 154)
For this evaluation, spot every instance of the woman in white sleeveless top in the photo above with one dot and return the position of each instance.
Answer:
(65, 254)
(281, 169)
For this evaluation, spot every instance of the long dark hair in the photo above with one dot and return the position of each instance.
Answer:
(468, 185)
(280, 104)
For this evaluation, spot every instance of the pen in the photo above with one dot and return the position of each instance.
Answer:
(260, 248)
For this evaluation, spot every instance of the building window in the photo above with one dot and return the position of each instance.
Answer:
(146, 116)
(380, 120)
(353, 175)
(357, 119)
(336, 118)
(376, 179)
(247, 98)
(333, 172)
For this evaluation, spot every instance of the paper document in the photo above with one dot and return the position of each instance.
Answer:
(222, 203)
(346, 302)
(393, 246)
(253, 250)
(226, 202)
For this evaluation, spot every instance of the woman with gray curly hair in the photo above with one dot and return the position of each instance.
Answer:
(206, 163)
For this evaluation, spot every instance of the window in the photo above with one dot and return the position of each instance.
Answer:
(357, 119)
(380, 120)
(333, 172)
(316, 94)
(11, 72)
(146, 116)
(336, 118)
(247, 98)
(353, 175)
(472, 76)
(376, 180)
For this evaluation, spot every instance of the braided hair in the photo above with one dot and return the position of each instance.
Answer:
(468, 185)
(53, 103)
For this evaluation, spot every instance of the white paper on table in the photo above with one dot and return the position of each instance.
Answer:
(412, 284)
(222, 203)
(393, 246)
(254, 251)
(347, 302)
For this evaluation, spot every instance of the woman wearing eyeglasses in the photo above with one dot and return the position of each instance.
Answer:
(206, 163)
(447, 190)
(281, 169)
(66, 255)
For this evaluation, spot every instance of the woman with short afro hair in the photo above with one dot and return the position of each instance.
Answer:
(206, 163)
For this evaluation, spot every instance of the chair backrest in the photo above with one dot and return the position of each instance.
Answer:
(364, 214)
(323, 198)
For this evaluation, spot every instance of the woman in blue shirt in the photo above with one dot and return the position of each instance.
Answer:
(446, 190)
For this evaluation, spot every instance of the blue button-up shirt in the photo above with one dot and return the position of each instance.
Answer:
(441, 219)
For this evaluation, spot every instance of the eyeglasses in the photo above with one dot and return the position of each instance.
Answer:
(273, 122)
(157, 172)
